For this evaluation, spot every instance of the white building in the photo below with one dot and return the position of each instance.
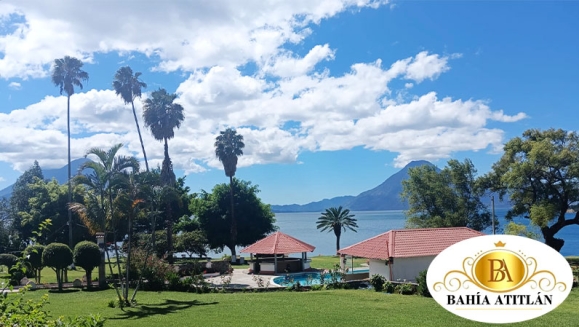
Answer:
(400, 255)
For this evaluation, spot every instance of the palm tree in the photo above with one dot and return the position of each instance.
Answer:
(67, 74)
(228, 147)
(106, 182)
(337, 219)
(161, 116)
(129, 87)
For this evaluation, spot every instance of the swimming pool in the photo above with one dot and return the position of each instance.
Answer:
(309, 278)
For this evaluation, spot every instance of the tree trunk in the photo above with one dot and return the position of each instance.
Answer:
(338, 232)
(69, 176)
(550, 240)
(59, 279)
(149, 250)
(140, 138)
(88, 279)
(111, 270)
(233, 221)
(128, 263)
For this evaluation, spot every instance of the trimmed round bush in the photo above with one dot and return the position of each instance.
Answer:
(35, 255)
(58, 256)
(8, 260)
(87, 255)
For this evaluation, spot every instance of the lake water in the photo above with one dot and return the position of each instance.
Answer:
(302, 226)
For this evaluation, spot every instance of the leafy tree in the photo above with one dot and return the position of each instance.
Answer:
(21, 193)
(87, 255)
(449, 198)
(337, 220)
(57, 256)
(67, 74)
(513, 228)
(187, 224)
(48, 200)
(5, 222)
(162, 116)
(128, 86)
(8, 260)
(228, 147)
(192, 243)
(254, 218)
(540, 173)
(34, 254)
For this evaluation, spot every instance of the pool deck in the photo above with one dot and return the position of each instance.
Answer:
(241, 278)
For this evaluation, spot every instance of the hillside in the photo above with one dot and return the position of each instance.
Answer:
(385, 196)
(60, 174)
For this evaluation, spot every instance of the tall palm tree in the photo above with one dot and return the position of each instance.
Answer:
(67, 74)
(162, 116)
(337, 219)
(129, 87)
(228, 147)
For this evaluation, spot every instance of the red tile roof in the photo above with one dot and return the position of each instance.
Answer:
(409, 243)
(278, 243)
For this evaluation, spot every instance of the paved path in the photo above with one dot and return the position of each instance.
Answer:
(240, 279)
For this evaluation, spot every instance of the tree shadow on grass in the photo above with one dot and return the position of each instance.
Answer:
(66, 290)
(167, 307)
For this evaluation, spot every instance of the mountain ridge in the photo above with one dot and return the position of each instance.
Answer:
(385, 196)
(60, 174)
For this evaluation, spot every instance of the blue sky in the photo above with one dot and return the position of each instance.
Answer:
(332, 96)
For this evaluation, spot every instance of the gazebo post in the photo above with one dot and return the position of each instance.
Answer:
(275, 263)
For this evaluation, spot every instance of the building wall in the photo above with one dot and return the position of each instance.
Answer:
(379, 267)
(409, 268)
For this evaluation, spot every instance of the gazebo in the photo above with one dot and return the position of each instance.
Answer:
(270, 254)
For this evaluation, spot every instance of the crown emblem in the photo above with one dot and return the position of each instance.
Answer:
(500, 244)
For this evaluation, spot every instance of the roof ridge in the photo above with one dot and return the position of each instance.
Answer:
(366, 240)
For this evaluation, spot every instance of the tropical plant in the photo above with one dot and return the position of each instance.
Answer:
(57, 256)
(162, 116)
(108, 177)
(67, 74)
(337, 220)
(128, 86)
(87, 255)
(228, 147)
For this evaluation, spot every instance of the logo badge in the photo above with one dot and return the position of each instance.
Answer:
(499, 279)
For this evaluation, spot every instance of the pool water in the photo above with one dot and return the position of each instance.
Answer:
(306, 279)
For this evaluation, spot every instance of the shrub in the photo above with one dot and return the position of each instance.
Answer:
(87, 255)
(388, 287)
(405, 289)
(34, 254)
(57, 256)
(378, 281)
(155, 271)
(18, 312)
(8, 260)
(422, 285)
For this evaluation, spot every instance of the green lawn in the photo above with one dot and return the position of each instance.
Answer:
(314, 308)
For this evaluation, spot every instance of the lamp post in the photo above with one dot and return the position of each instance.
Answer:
(101, 243)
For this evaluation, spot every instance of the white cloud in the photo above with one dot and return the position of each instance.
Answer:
(326, 112)
(2, 179)
(15, 86)
(200, 33)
